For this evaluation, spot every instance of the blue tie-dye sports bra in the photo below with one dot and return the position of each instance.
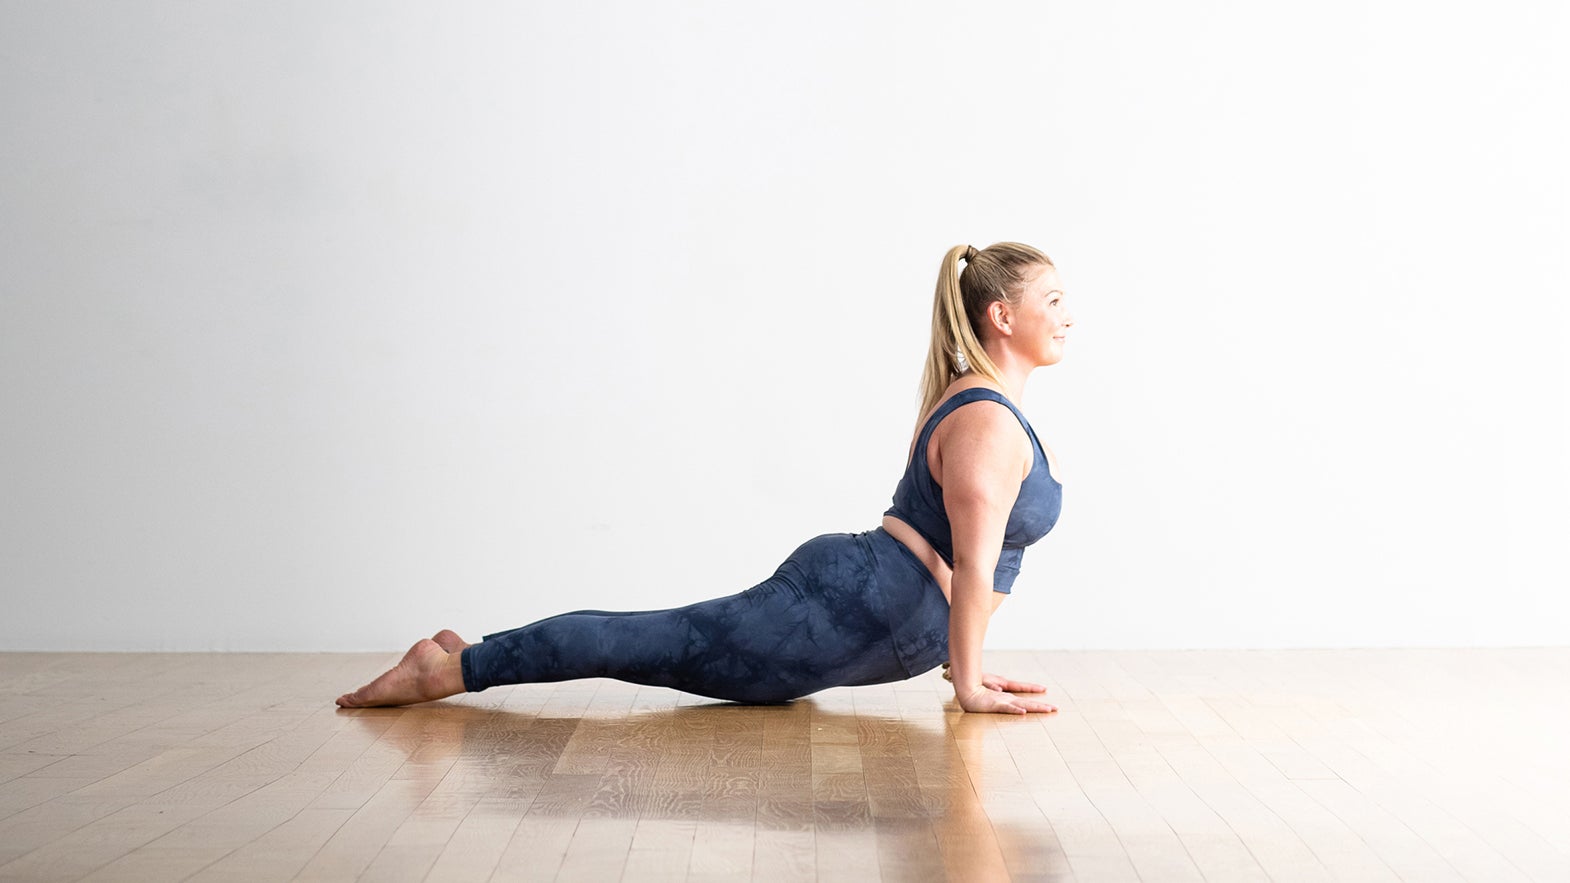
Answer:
(918, 499)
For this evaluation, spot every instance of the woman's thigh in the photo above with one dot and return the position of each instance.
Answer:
(820, 621)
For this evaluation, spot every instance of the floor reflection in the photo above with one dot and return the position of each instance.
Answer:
(898, 778)
(819, 764)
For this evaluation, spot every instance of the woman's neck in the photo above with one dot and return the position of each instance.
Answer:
(1012, 372)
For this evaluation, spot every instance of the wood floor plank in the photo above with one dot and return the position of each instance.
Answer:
(538, 846)
(600, 851)
(784, 854)
(907, 849)
(476, 847)
(279, 854)
(845, 853)
(96, 844)
(661, 849)
(420, 840)
(157, 864)
(356, 843)
(722, 850)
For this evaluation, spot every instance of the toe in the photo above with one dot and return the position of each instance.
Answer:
(448, 640)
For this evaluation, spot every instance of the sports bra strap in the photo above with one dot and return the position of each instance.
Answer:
(965, 397)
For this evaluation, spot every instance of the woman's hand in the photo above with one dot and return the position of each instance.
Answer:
(1000, 683)
(1004, 685)
(986, 699)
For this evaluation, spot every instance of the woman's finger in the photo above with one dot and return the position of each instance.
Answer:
(1022, 706)
(1008, 686)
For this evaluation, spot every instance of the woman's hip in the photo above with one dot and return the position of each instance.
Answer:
(872, 579)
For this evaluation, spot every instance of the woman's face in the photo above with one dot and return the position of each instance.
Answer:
(1041, 320)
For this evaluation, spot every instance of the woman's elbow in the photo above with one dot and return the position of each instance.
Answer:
(975, 568)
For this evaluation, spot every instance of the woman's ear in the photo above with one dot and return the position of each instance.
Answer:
(1001, 316)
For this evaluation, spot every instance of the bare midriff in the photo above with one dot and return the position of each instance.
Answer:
(922, 549)
(918, 545)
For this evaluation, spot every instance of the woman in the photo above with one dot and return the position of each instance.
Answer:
(845, 609)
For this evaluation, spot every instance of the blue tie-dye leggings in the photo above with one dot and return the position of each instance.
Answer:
(844, 609)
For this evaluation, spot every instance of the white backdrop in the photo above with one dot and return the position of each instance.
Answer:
(327, 325)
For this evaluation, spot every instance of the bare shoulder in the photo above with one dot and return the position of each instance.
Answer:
(982, 436)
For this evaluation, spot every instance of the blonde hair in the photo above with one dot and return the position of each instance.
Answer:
(959, 308)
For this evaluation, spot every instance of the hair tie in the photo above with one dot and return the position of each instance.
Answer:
(970, 253)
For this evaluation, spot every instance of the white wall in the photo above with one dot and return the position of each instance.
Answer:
(327, 325)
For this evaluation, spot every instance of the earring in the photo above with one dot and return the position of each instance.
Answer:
(961, 362)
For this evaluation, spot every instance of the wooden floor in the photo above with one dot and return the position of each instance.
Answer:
(1415, 765)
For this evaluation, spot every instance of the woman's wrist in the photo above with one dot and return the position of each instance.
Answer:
(960, 686)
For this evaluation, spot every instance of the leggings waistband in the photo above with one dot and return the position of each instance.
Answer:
(918, 612)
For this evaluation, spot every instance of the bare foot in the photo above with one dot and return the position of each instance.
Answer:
(425, 673)
(448, 640)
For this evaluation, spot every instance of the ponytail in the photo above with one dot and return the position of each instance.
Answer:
(959, 307)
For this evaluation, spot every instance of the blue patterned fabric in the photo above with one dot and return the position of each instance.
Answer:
(843, 610)
(918, 499)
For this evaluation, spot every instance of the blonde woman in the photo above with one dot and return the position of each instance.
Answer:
(845, 609)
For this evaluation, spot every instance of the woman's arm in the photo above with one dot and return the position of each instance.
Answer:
(982, 459)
